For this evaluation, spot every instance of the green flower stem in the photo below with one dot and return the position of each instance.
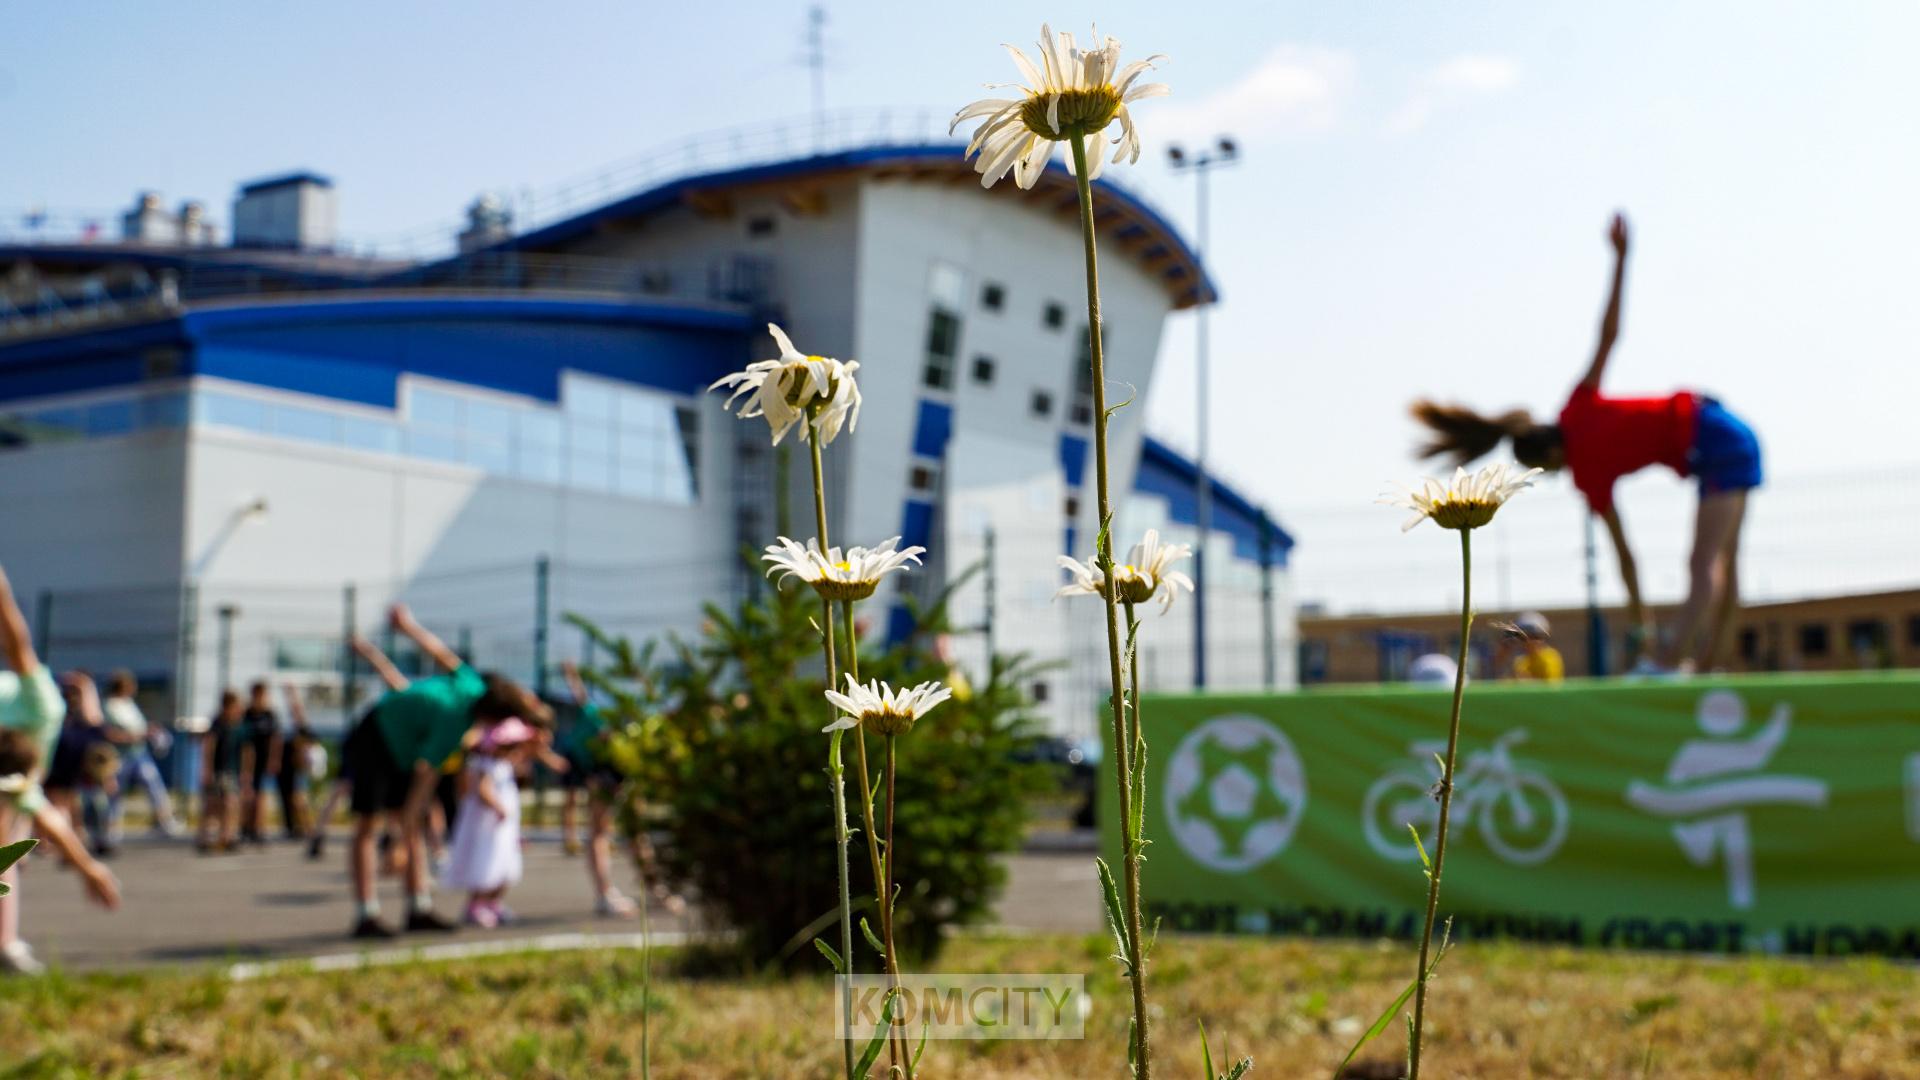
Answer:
(902, 1059)
(835, 768)
(1103, 555)
(1446, 803)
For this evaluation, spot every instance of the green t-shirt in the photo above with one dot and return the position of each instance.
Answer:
(427, 720)
(32, 704)
(577, 742)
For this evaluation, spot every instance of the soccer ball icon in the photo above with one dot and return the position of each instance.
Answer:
(1234, 793)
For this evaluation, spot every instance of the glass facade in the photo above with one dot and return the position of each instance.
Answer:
(605, 436)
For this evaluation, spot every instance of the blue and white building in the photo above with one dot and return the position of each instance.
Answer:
(251, 426)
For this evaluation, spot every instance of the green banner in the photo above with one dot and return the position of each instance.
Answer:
(1753, 814)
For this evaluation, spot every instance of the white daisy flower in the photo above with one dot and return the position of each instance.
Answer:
(1141, 577)
(1071, 94)
(884, 710)
(852, 576)
(783, 390)
(1468, 501)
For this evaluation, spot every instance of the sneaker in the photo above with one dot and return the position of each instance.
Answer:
(614, 904)
(18, 959)
(503, 914)
(482, 916)
(370, 927)
(427, 920)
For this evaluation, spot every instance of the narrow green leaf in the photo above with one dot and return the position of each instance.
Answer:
(873, 939)
(1206, 1054)
(1115, 921)
(13, 853)
(833, 957)
(1422, 848)
(879, 1042)
(1380, 1025)
(1240, 1069)
(922, 1048)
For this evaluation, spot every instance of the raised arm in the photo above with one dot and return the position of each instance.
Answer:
(16, 641)
(1610, 322)
(377, 660)
(575, 684)
(402, 619)
(296, 705)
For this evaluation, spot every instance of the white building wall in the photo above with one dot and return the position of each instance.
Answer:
(459, 545)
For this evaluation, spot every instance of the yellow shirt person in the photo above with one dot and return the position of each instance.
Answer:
(1535, 659)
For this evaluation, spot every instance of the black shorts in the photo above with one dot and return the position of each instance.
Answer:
(379, 782)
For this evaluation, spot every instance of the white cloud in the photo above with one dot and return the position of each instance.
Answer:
(1295, 88)
(1450, 83)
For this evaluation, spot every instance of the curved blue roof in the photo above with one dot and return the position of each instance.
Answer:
(1168, 474)
(1140, 230)
(354, 347)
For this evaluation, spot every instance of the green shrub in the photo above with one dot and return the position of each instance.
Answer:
(723, 744)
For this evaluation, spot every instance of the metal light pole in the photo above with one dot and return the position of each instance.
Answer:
(1223, 152)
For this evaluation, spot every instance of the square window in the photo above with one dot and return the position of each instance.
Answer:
(1054, 315)
(983, 369)
(1750, 645)
(1073, 506)
(921, 478)
(1038, 691)
(935, 375)
(1813, 640)
(1913, 630)
(993, 296)
(1041, 404)
(1081, 413)
(762, 225)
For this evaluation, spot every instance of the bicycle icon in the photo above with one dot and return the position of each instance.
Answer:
(1521, 814)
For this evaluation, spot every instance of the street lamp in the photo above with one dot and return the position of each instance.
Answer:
(1223, 152)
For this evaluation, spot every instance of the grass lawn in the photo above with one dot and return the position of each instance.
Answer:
(1496, 1011)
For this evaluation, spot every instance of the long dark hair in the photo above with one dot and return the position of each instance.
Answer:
(1461, 434)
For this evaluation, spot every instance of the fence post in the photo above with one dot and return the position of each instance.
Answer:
(993, 589)
(224, 657)
(43, 627)
(542, 585)
(349, 660)
(1268, 661)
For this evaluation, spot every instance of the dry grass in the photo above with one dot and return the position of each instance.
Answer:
(1498, 1011)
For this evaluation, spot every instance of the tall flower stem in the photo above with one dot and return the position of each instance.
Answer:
(883, 898)
(835, 768)
(1103, 554)
(1446, 804)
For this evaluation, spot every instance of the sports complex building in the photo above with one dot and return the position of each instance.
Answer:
(219, 455)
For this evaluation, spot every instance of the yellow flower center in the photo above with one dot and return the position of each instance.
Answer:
(887, 722)
(1081, 112)
(1454, 513)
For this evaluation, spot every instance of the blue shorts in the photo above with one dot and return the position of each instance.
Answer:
(1726, 453)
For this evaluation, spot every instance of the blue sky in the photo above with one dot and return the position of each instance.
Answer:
(1420, 209)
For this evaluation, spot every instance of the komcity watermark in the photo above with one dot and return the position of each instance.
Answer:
(963, 1006)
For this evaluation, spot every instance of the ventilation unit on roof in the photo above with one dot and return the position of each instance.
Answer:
(293, 212)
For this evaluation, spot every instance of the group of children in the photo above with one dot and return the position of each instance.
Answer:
(465, 732)
(455, 742)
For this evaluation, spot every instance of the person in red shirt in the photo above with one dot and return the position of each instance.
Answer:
(1600, 439)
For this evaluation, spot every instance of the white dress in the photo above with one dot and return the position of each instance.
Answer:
(484, 853)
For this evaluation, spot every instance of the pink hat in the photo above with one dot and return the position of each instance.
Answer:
(509, 732)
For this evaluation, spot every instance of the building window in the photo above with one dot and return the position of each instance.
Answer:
(1813, 640)
(1041, 404)
(923, 478)
(943, 342)
(1867, 636)
(983, 369)
(1072, 507)
(1054, 315)
(762, 225)
(993, 296)
(1913, 631)
(1080, 407)
(1039, 692)
(1750, 645)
